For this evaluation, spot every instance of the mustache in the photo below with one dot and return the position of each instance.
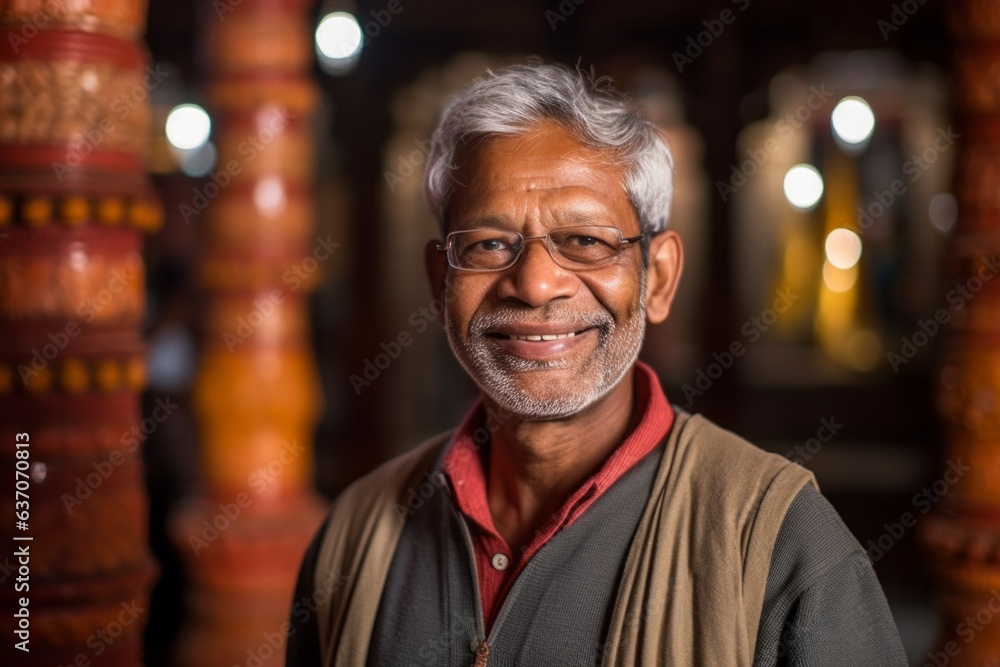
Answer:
(507, 316)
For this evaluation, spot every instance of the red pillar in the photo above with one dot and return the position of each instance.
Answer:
(257, 393)
(74, 203)
(963, 537)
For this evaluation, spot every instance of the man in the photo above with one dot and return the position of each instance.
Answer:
(574, 517)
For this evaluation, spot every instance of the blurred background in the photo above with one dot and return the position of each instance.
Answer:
(835, 308)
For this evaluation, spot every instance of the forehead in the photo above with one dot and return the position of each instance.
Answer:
(545, 172)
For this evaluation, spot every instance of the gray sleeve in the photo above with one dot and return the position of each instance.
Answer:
(823, 604)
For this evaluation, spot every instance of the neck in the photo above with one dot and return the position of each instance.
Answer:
(535, 465)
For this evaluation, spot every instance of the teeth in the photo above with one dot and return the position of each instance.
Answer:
(542, 337)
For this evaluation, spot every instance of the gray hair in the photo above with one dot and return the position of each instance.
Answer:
(509, 102)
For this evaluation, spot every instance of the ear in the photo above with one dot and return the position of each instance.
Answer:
(666, 262)
(436, 264)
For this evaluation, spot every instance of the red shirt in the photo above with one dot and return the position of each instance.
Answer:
(496, 564)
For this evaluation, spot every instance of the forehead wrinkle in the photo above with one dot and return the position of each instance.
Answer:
(543, 176)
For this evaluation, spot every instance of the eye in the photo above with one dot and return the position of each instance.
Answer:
(487, 249)
(584, 240)
(488, 245)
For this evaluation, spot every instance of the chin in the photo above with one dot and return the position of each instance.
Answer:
(529, 408)
(553, 401)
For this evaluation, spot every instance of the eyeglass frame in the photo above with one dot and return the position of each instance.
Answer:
(624, 242)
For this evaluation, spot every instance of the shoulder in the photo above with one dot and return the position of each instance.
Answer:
(711, 437)
(725, 462)
(822, 596)
(813, 540)
(388, 482)
(374, 505)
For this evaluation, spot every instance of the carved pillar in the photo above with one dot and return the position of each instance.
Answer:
(74, 203)
(257, 393)
(963, 536)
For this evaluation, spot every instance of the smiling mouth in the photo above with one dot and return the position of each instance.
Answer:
(535, 337)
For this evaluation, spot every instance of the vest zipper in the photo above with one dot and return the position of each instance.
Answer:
(482, 655)
(483, 650)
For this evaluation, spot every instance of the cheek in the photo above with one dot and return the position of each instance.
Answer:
(468, 294)
(618, 292)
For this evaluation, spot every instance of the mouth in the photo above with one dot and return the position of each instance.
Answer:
(544, 345)
(533, 337)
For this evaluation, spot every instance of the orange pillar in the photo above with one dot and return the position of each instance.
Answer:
(257, 393)
(74, 203)
(963, 537)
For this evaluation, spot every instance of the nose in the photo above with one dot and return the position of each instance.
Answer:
(536, 279)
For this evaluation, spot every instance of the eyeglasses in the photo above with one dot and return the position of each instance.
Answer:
(574, 248)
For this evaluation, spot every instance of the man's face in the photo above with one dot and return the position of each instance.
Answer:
(533, 184)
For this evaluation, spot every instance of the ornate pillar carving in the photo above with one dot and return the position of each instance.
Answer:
(74, 203)
(257, 393)
(962, 537)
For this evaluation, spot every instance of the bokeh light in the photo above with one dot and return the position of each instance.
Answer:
(188, 127)
(843, 248)
(338, 36)
(853, 120)
(943, 211)
(803, 186)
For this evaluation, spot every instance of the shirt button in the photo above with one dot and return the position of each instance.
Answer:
(500, 561)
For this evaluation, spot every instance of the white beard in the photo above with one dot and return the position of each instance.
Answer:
(496, 372)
